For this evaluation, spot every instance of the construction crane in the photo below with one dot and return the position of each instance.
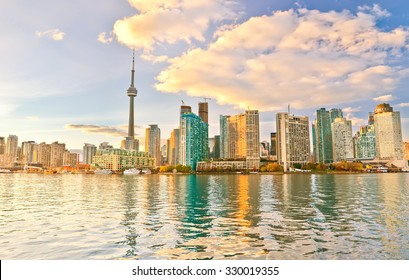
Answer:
(183, 103)
(206, 98)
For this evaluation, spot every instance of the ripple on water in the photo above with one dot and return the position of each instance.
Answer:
(307, 216)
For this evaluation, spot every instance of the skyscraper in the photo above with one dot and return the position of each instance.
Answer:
(293, 140)
(273, 145)
(388, 133)
(243, 137)
(11, 149)
(130, 143)
(335, 113)
(27, 152)
(57, 154)
(89, 150)
(342, 143)
(323, 134)
(224, 132)
(365, 142)
(2, 145)
(194, 139)
(173, 147)
(204, 111)
(152, 143)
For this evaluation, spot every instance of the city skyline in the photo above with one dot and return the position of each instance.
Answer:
(69, 85)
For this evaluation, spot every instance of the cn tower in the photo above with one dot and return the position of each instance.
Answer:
(132, 92)
(130, 143)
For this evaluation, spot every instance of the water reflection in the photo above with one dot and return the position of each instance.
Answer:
(306, 216)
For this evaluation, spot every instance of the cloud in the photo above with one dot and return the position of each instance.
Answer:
(403, 105)
(55, 34)
(300, 57)
(171, 21)
(349, 110)
(104, 38)
(384, 98)
(376, 10)
(109, 130)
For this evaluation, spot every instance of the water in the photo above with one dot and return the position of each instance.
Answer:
(305, 216)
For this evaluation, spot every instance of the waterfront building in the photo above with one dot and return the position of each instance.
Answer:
(273, 145)
(388, 133)
(342, 143)
(70, 159)
(365, 142)
(214, 147)
(293, 140)
(44, 154)
(173, 147)
(193, 140)
(129, 142)
(217, 146)
(221, 165)
(11, 152)
(88, 151)
(224, 132)
(204, 111)
(2, 145)
(243, 138)
(406, 150)
(57, 154)
(152, 143)
(29, 150)
(323, 135)
(120, 159)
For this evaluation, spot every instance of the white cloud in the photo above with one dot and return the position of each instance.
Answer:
(160, 21)
(104, 38)
(375, 10)
(349, 110)
(384, 98)
(403, 105)
(302, 57)
(54, 34)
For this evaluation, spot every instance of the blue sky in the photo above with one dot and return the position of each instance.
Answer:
(65, 65)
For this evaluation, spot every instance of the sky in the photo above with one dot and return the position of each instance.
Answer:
(66, 65)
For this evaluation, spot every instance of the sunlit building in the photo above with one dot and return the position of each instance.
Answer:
(88, 151)
(2, 145)
(342, 142)
(173, 147)
(224, 132)
(322, 134)
(11, 149)
(388, 133)
(120, 159)
(293, 140)
(243, 138)
(57, 154)
(29, 151)
(152, 142)
(406, 150)
(204, 111)
(44, 154)
(193, 140)
(365, 142)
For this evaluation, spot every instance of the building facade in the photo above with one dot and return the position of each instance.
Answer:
(342, 142)
(11, 149)
(152, 143)
(323, 136)
(88, 151)
(224, 132)
(365, 143)
(293, 140)
(243, 138)
(194, 137)
(120, 159)
(388, 133)
(173, 147)
(406, 150)
(204, 111)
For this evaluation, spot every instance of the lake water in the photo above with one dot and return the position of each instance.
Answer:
(291, 216)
